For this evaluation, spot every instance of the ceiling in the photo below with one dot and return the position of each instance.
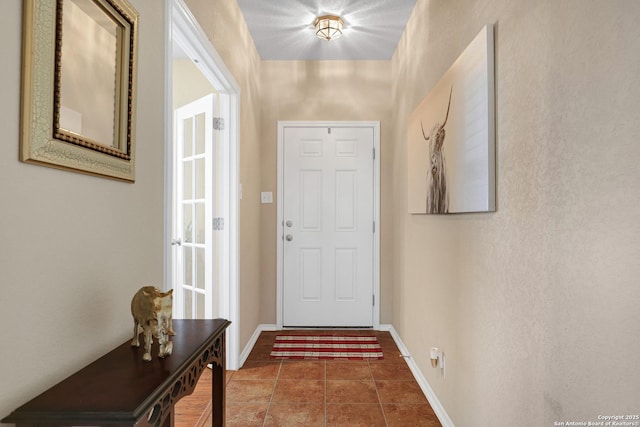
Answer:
(283, 29)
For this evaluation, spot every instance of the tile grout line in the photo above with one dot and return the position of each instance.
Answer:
(273, 391)
(325, 393)
(375, 385)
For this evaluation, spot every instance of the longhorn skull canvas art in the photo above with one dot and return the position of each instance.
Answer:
(451, 137)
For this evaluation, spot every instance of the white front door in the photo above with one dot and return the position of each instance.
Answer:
(328, 229)
(193, 240)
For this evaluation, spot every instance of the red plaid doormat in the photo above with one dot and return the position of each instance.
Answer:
(326, 347)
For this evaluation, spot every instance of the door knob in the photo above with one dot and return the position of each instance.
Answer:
(289, 223)
(289, 237)
(176, 242)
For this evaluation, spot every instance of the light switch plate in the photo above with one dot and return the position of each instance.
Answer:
(266, 197)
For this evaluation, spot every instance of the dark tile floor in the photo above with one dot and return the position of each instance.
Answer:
(268, 392)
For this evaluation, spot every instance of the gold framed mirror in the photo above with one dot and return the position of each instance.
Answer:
(79, 86)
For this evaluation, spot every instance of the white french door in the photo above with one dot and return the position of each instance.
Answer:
(328, 226)
(194, 184)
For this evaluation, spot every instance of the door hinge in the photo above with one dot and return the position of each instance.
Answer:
(374, 153)
(373, 300)
(374, 226)
(218, 223)
(218, 123)
(329, 131)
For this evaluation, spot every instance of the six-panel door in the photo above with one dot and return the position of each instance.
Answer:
(328, 226)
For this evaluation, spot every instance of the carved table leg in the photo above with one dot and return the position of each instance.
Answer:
(218, 401)
(169, 421)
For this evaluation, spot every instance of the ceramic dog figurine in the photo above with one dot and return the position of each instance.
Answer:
(151, 310)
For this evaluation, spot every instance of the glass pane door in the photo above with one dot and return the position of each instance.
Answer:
(194, 182)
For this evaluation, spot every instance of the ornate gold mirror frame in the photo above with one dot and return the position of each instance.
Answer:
(79, 86)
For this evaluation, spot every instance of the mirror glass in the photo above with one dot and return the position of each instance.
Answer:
(89, 78)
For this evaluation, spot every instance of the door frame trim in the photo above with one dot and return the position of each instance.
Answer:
(375, 125)
(182, 27)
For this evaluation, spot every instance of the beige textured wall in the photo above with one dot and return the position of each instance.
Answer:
(536, 305)
(189, 84)
(322, 90)
(224, 24)
(74, 248)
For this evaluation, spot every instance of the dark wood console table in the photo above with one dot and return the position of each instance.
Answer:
(120, 389)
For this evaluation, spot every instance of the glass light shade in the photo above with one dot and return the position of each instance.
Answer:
(328, 27)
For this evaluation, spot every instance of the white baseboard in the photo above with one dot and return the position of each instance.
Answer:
(442, 415)
(252, 341)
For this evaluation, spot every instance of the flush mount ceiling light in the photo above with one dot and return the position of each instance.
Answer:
(328, 27)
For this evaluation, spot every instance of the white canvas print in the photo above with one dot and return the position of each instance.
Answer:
(451, 137)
